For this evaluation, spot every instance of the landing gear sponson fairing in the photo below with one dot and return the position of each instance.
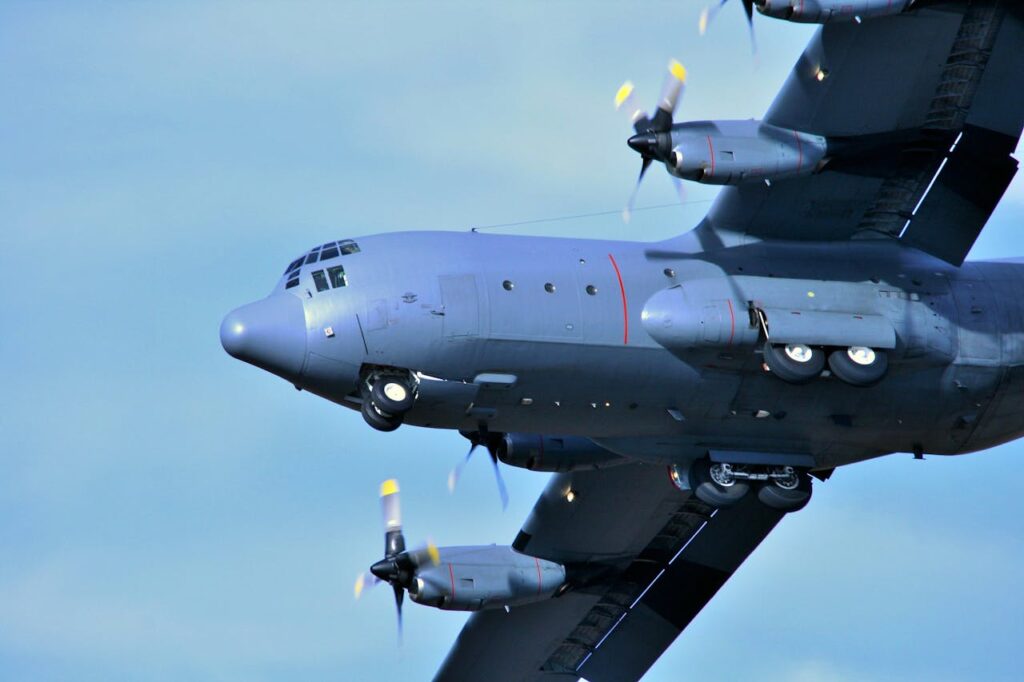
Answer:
(820, 315)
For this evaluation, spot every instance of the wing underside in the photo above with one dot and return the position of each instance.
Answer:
(651, 557)
(923, 113)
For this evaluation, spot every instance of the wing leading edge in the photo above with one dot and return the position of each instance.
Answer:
(646, 559)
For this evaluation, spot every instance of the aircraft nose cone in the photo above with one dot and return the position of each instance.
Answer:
(270, 334)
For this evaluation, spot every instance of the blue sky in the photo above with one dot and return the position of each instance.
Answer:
(167, 512)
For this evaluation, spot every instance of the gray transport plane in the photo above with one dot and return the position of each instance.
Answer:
(687, 392)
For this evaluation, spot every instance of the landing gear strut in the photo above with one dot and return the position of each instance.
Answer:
(386, 400)
(721, 484)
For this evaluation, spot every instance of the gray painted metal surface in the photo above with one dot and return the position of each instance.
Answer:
(609, 361)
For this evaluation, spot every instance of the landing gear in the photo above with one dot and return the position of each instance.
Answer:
(787, 489)
(795, 363)
(382, 421)
(715, 483)
(386, 399)
(859, 365)
(392, 394)
(721, 484)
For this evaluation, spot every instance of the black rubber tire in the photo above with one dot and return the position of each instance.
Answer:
(709, 492)
(379, 421)
(858, 375)
(784, 500)
(790, 370)
(388, 404)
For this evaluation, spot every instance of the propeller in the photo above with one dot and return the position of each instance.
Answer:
(653, 140)
(398, 567)
(709, 14)
(491, 441)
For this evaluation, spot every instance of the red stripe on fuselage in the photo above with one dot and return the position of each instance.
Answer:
(625, 306)
(732, 321)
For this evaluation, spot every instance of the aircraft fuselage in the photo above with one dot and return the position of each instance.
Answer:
(548, 335)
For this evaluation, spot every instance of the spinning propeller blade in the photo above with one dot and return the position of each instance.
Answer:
(651, 139)
(491, 442)
(398, 567)
(709, 14)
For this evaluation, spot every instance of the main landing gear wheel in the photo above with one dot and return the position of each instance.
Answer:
(859, 365)
(382, 421)
(713, 483)
(788, 490)
(392, 395)
(795, 363)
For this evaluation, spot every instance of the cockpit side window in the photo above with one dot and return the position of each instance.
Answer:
(293, 282)
(330, 251)
(320, 280)
(347, 246)
(294, 265)
(311, 258)
(337, 276)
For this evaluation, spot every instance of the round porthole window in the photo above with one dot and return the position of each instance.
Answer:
(549, 287)
(669, 272)
(591, 289)
(507, 285)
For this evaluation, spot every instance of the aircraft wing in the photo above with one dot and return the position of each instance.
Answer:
(648, 557)
(928, 108)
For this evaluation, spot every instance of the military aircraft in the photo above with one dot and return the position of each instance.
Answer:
(687, 392)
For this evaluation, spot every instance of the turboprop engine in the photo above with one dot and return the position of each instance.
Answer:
(733, 152)
(479, 577)
(554, 453)
(455, 578)
(825, 11)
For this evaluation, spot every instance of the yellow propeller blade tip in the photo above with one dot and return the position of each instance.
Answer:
(624, 92)
(677, 70)
(388, 487)
(703, 24)
(360, 583)
(435, 556)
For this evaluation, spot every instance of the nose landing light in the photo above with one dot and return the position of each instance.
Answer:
(270, 334)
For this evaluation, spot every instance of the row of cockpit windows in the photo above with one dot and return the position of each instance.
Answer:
(335, 276)
(323, 252)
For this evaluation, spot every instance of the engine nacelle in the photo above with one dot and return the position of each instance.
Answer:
(480, 577)
(703, 313)
(825, 11)
(554, 453)
(737, 152)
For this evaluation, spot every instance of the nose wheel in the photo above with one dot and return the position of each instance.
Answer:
(389, 397)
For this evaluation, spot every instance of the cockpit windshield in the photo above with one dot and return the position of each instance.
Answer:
(327, 251)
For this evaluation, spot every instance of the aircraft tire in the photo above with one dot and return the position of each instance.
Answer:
(784, 500)
(392, 395)
(379, 420)
(709, 492)
(856, 373)
(790, 370)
